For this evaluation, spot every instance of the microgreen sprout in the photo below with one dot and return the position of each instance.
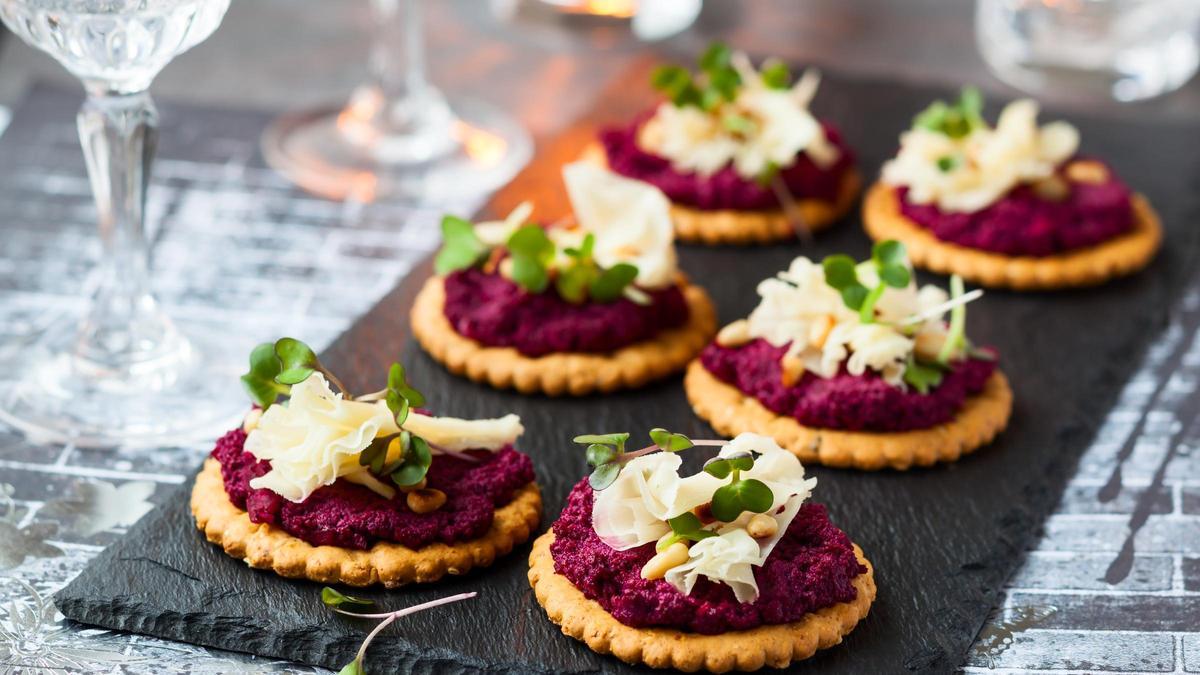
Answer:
(955, 120)
(461, 247)
(359, 665)
(841, 272)
(740, 494)
(582, 277)
(334, 599)
(684, 527)
(532, 252)
(606, 452)
(276, 367)
(956, 335)
(922, 376)
(717, 81)
(535, 263)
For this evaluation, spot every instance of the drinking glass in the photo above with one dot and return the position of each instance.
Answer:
(1123, 49)
(123, 374)
(399, 137)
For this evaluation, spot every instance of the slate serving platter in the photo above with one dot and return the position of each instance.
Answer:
(943, 540)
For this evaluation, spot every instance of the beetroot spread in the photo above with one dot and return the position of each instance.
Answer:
(848, 402)
(352, 516)
(724, 189)
(495, 311)
(1021, 223)
(813, 566)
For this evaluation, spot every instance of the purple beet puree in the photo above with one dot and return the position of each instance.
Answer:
(496, 312)
(724, 189)
(352, 516)
(844, 401)
(1021, 223)
(813, 566)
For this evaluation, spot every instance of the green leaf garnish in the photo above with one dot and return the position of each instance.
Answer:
(776, 75)
(722, 467)
(895, 276)
(685, 526)
(605, 439)
(401, 396)
(840, 271)
(738, 124)
(260, 382)
(531, 252)
(890, 260)
(414, 464)
(461, 247)
(717, 56)
(920, 376)
(954, 120)
(854, 296)
(719, 81)
(670, 442)
(729, 501)
(947, 163)
(611, 283)
(334, 598)
(956, 335)
(598, 454)
(297, 361)
(604, 475)
(352, 668)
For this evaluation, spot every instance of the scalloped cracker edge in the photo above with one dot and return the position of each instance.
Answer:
(265, 546)
(1089, 266)
(732, 412)
(728, 226)
(775, 646)
(572, 373)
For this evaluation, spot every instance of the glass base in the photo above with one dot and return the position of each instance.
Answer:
(186, 394)
(313, 150)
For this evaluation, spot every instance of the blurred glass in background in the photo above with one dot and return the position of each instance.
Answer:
(1122, 49)
(399, 137)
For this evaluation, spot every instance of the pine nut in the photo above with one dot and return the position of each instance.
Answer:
(1087, 171)
(1051, 189)
(675, 555)
(425, 500)
(735, 334)
(762, 526)
(793, 369)
(819, 331)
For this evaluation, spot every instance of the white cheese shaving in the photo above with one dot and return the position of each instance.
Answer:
(781, 127)
(630, 220)
(317, 436)
(633, 511)
(986, 164)
(796, 301)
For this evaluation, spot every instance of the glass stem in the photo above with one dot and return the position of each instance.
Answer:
(398, 115)
(124, 334)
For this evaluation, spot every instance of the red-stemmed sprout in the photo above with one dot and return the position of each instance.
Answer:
(335, 600)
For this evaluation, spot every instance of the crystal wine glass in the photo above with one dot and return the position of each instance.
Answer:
(123, 374)
(398, 137)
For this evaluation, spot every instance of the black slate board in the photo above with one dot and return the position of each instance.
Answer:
(943, 540)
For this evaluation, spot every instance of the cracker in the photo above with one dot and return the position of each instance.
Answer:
(732, 412)
(728, 226)
(775, 646)
(574, 373)
(268, 547)
(1122, 255)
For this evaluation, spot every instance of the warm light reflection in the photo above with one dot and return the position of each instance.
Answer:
(357, 120)
(621, 9)
(483, 147)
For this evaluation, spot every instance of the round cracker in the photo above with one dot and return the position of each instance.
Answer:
(775, 646)
(732, 412)
(728, 226)
(265, 546)
(573, 373)
(1119, 256)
